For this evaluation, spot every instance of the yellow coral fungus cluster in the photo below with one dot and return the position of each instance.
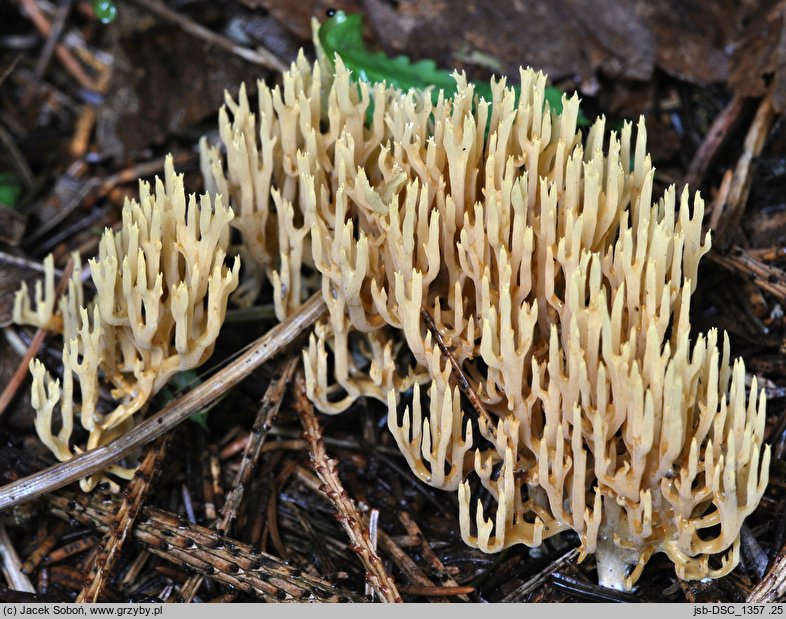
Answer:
(561, 290)
(161, 296)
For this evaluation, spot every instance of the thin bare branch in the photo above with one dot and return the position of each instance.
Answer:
(193, 547)
(123, 522)
(63, 9)
(716, 137)
(765, 276)
(458, 373)
(740, 184)
(271, 402)
(260, 56)
(10, 68)
(11, 565)
(348, 514)
(773, 585)
(70, 63)
(520, 594)
(436, 591)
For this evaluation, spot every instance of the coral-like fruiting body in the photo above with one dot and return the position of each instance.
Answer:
(161, 297)
(560, 289)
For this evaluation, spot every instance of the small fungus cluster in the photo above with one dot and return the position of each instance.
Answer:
(161, 296)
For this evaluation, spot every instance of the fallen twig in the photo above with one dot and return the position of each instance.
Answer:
(458, 373)
(21, 167)
(765, 276)
(46, 544)
(11, 565)
(740, 184)
(122, 522)
(194, 547)
(410, 570)
(63, 9)
(715, 138)
(590, 591)
(271, 402)
(66, 58)
(429, 555)
(773, 585)
(435, 591)
(94, 460)
(520, 594)
(10, 68)
(348, 514)
(260, 56)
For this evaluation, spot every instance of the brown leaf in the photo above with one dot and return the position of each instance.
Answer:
(693, 37)
(166, 81)
(627, 39)
(12, 225)
(296, 16)
(760, 55)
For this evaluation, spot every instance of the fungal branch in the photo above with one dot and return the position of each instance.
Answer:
(161, 296)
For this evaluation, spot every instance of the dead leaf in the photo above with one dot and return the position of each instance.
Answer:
(12, 225)
(760, 55)
(567, 39)
(296, 16)
(158, 89)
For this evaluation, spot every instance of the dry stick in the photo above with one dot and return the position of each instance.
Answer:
(521, 593)
(721, 197)
(193, 547)
(65, 209)
(11, 565)
(94, 460)
(588, 591)
(21, 370)
(458, 373)
(271, 402)
(773, 585)
(10, 68)
(404, 562)
(21, 167)
(427, 553)
(765, 276)
(140, 170)
(260, 56)
(740, 185)
(716, 136)
(215, 477)
(123, 521)
(76, 547)
(69, 62)
(348, 514)
(37, 266)
(272, 508)
(435, 591)
(63, 9)
(53, 533)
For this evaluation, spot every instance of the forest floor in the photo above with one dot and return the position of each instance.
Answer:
(87, 108)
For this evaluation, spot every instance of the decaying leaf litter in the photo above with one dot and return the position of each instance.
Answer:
(86, 196)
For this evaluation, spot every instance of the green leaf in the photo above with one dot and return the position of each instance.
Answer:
(105, 10)
(10, 189)
(342, 34)
(182, 382)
